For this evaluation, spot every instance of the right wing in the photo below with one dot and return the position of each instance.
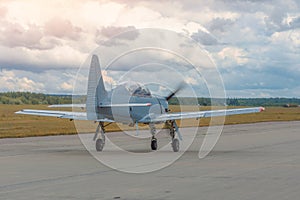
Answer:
(60, 114)
(76, 115)
(152, 118)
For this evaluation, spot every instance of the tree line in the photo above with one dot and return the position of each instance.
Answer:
(287, 102)
(19, 98)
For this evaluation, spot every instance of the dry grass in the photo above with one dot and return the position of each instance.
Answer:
(12, 125)
(270, 114)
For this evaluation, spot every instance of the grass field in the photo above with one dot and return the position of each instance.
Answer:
(12, 125)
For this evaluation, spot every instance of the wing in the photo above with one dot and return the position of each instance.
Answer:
(152, 118)
(102, 106)
(60, 114)
(76, 115)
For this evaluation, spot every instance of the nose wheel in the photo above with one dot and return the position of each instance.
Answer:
(153, 139)
(154, 144)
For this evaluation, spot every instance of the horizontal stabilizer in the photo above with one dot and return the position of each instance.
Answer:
(126, 105)
(67, 106)
(102, 106)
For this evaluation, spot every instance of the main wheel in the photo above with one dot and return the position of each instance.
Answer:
(175, 145)
(154, 144)
(99, 144)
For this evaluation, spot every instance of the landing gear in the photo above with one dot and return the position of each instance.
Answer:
(173, 129)
(153, 139)
(154, 144)
(172, 126)
(175, 145)
(100, 142)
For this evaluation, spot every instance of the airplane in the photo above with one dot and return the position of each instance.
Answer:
(134, 104)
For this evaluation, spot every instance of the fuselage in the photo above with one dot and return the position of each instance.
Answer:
(130, 95)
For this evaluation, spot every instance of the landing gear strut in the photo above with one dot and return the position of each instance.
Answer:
(173, 128)
(100, 142)
(153, 139)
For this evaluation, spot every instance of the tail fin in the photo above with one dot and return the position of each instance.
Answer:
(96, 91)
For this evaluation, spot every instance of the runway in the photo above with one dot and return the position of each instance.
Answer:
(251, 161)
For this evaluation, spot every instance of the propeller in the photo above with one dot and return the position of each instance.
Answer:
(179, 87)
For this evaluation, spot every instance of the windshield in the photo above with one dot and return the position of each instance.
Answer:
(136, 89)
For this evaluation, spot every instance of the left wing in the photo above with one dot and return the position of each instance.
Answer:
(187, 115)
(60, 114)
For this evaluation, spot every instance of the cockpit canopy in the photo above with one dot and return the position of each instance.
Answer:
(136, 89)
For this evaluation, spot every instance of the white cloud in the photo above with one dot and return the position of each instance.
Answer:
(10, 82)
(288, 39)
(232, 56)
(66, 86)
(61, 28)
(35, 38)
(100, 14)
(107, 79)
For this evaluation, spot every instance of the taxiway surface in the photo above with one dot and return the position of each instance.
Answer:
(252, 161)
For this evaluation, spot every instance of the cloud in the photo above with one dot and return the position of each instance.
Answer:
(263, 93)
(3, 11)
(259, 39)
(111, 31)
(232, 56)
(204, 38)
(294, 22)
(220, 25)
(281, 16)
(66, 86)
(62, 28)
(59, 58)
(31, 37)
(120, 33)
(51, 81)
(10, 82)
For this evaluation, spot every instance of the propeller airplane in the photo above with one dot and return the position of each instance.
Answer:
(130, 103)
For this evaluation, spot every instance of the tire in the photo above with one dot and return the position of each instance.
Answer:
(154, 144)
(175, 145)
(99, 144)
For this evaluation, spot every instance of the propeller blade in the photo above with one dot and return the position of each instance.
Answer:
(180, 87)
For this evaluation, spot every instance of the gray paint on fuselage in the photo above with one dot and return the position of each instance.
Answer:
(129, 93)
(132, 114)
(137, 113)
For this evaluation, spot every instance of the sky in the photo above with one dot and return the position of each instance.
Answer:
(254, 44)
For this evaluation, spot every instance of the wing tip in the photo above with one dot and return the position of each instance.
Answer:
(261, 109)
